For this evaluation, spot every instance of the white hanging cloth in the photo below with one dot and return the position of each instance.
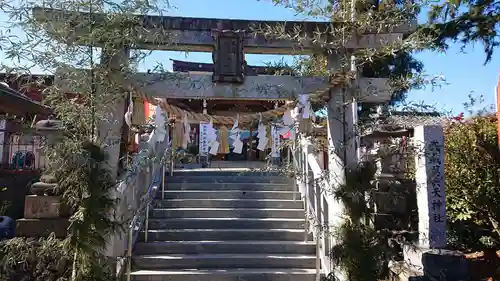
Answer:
(262, 135)
(262, 144)
(238, 146)
(306, 106)
(235, 131)
(261, 129)
(186, 138)
(158, 134)
(214, 147)
(211, 132)
(211, 139)
(130, 111)
(160, 130)
(287, 118)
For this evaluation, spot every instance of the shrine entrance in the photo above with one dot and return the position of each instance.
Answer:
(227, 97)
(228, 108)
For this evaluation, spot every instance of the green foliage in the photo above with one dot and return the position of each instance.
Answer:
(29, 259)
(84, 178)
(465, 22)
(86, 186)
(472, 168)
(403, 70)
(353, 192)
(361, 250)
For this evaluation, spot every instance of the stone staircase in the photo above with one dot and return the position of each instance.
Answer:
(226, 226)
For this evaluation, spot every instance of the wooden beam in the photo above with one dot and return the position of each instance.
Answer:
(195, 34)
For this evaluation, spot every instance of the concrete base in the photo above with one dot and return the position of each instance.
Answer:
(431, 264)
(42, 227)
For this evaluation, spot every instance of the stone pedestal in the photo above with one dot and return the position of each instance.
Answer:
(42, 227)
(429, 260)
(435, 264)
(40, 207)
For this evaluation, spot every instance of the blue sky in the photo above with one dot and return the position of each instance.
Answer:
(463, 69)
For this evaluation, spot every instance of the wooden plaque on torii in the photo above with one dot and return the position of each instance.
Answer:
(228, 56)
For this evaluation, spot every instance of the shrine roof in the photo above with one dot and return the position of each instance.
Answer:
(413, 119)
(14, 102)
(402, 123)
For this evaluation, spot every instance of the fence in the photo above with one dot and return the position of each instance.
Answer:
(21, 151)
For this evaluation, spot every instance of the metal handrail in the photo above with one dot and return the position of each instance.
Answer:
(304, 163)
(141, 216)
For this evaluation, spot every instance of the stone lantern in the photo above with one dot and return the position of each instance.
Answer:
(43, 203)
(52, 131)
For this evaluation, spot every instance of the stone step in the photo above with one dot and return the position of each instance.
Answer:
(224, 235)
(246, 186)
(229, 194)
(226, 222)
(225, 247)
(226, 213)
(224, 172)
(220, 178)
(213, 261)
(229, 203)
(258, 274)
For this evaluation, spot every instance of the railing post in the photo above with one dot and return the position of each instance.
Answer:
(319, 229)
(306, 224)
(172, 162)
(163, 180)
(306, 184)
(129, 252)
(146, 224)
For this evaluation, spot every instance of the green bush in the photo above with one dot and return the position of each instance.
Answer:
(29, 259)
(472, 169)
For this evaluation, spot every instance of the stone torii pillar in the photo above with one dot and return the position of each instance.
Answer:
(110, 129)
(342, 150)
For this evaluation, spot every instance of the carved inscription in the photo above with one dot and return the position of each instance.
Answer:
(37, 207)
(431, 195)
(228, 57)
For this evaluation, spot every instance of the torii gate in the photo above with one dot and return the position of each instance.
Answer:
(228, 40)
(207, 35)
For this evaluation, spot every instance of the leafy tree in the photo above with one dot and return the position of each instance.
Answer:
(79, 161)
(472, 174)
(465, 22)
